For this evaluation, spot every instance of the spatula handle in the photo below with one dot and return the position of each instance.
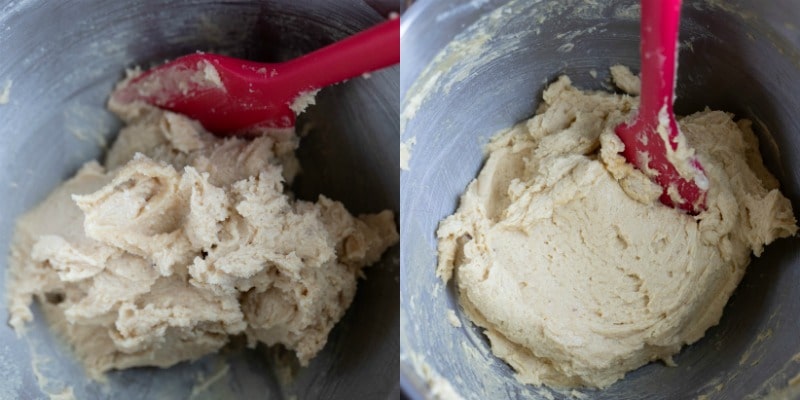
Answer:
(660, 20)
(367, 51)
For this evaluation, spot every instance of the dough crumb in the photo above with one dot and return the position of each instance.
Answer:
(795, 380)
(66, 394)
(211, 75)
(405, 152)
(5, 95)
(303, 101)
(439, 388)
(626, 80)
(577, 395)
(452, 318)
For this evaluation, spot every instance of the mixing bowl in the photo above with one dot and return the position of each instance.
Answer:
(472, 68)
(62, 58)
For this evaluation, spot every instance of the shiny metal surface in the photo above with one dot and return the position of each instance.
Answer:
(739, 56)
(63, 57)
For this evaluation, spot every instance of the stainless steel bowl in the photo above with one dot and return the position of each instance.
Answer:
(472, 68)
(63, 57)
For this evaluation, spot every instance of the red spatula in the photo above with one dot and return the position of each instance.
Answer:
(233, 96)
(653, 142)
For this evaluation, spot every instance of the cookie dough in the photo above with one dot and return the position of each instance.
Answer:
(563, 254)
(182, 239)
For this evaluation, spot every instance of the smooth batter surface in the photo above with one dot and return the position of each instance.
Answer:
(182, 239)
(562, 252)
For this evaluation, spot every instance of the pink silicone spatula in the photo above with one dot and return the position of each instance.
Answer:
(653, 142)
(233, 96)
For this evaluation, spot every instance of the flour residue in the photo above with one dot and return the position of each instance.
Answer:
(10, 377)
(66, 394)
(88, 123)
(460, 9)
(417, 97)
(628, 12)
(205, 382)
(5, 95)
(768, 143)
(439, 387)
(405, 152)
(477, 46)
(565, 48)
(50, 365)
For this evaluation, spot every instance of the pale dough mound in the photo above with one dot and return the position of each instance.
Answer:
(182, 239)
(563, 254)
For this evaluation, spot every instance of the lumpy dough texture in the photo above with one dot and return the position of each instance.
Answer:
(183, 239)
(563, 254)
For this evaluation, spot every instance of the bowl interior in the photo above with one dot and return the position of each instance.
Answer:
(473, 71)
(62, 60)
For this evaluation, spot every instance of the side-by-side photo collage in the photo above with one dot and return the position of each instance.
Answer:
(399, 199)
